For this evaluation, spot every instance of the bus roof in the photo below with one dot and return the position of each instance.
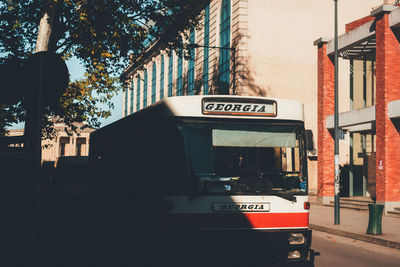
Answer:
(223, 106)
(227, 106)
(195, 107)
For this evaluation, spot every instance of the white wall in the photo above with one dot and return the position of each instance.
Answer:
(282, 58)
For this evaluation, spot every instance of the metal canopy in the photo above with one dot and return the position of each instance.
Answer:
(356, 43)
(364, 49)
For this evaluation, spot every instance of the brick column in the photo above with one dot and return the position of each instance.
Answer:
(326, 86)
(387, 89)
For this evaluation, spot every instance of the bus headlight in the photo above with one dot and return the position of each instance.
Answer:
(294, 255)
(296, 239)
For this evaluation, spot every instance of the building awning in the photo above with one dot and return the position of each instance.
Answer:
(358, 120)
(394, 109)
(359, 42)
(394, 18)
(365, 49)
(362, 120)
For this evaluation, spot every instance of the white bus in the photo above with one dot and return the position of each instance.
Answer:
(211, 178)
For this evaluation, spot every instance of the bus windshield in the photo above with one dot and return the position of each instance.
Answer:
(245, 158)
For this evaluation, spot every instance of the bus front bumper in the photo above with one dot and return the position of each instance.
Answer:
(240, 245)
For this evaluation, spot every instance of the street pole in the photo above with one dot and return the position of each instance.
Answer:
(44, 43)
(336, 117)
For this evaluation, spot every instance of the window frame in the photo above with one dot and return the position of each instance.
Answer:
(206, 52)
(170, 73)
(132, 94)
(224, 55)
(179, 78)
(153, 83)
(191, 63)
(145, 83)
(138, 93)
(162, 77)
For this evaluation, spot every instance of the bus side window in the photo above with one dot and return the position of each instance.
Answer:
(149, 159)
(139, 161)
(174, 163)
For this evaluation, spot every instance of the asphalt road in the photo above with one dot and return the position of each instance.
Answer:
(340, 251)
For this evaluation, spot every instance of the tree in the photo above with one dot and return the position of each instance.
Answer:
(101, 34)
(8, 116)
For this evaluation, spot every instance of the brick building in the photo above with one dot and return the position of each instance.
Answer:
(245, 47)
(371, 122)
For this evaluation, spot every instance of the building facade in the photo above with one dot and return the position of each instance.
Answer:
(63, 144)
(246, 47)
(371, 122)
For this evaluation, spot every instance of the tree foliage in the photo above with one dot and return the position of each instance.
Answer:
(101, 34)
(8, 116)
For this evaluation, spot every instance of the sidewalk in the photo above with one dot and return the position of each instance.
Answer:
(353, 224)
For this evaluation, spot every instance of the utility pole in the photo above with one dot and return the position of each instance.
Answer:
(33, 125)
(336, 118)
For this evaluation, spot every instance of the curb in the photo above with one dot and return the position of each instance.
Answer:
(361, 237)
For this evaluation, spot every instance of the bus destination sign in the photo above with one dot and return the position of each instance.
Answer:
(241, 207)
(218, 107)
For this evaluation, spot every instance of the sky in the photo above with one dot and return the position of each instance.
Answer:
(76, 71)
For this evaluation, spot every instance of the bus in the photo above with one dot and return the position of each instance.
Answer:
(200, 179)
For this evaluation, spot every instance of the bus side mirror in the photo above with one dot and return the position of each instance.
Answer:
(309, 140)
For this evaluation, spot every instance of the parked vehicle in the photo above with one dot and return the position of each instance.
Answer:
(219, 178)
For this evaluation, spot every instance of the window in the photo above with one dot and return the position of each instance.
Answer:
(78, 149)
(362, 83)
(206, 49)
(126, 102)
(80, 146)
(138, 93)
(153, 83)
(62, 149)
(64, 141)
(145, 89)
(170, 72)
(224, 55)
(191, 64)
(162, 78)
(132, 88)
(179, 81)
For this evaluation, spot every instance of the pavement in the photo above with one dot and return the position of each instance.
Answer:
(353, 224)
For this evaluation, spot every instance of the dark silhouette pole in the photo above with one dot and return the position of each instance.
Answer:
(336, 117)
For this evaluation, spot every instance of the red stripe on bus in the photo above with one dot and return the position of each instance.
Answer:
(236, 220)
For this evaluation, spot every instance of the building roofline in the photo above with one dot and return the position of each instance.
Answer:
(352, 37)
(322, 40)
(145, 56)
(382, 9)
(394, 18)
(361, 40)
(148, 53)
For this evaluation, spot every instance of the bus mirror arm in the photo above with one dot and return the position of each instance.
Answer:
(309, 140)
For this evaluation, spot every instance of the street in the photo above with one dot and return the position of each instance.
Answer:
(341, 251)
